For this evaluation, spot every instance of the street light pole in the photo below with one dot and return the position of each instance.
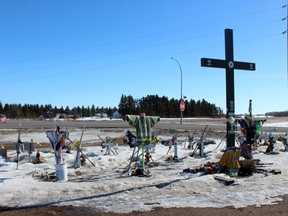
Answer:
(181, 113)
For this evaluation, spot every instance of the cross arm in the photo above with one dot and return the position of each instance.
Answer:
(244, 66)
(215, 63)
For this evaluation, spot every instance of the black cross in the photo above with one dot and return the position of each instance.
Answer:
(229, 64)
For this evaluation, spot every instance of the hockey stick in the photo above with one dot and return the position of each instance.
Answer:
(81, 152)
(79, 146)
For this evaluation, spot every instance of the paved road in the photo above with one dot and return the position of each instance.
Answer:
(163, 124)
(188, 124)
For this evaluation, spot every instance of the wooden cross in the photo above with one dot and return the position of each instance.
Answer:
(229, 64)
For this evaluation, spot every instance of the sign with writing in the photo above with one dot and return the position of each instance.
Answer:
(182, 106)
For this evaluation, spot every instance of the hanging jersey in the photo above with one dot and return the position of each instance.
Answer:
(143, 125)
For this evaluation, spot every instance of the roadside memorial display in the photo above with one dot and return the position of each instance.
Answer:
(39, 158)
(166, 177)
(173, 142)
(20, 147)
(229, 64)
(190, 139)
(200, 143)
(271, 144)
(229, 162)
(285, 141)
(57, 141)
(3, 152)
(80, 156)
(143, 125)
(251, 130)
(77, 162)
(109, 146)
(130, 139)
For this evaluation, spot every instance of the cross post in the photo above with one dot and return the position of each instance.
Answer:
(229, 64)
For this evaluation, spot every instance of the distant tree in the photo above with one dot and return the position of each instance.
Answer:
(110, 111)
(278, 114)
(127, 105)
(67, 110)
(93, 110)
(151, 105)
(78, 111)
(88, 111)
(1, 107)
(26, 111)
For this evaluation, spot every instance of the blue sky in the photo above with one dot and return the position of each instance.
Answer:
(79, 53)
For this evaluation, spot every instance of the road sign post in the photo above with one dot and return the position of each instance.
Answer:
(229, 64)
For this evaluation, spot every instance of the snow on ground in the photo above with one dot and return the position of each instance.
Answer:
(107, 188)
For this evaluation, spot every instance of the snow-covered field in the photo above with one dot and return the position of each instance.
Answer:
(107, 187)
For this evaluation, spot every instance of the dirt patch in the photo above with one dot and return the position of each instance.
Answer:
(275, 210)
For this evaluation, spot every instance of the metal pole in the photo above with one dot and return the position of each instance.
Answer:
(181, 113)
(250, 111)
(286, 32)
(287, 39)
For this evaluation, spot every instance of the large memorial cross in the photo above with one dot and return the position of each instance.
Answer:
(229, 64)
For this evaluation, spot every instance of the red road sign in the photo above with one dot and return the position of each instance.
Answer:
(182, 106)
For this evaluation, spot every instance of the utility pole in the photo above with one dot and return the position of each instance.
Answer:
(286, 32)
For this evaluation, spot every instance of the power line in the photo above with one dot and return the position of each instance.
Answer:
(154, 21)
(98, 68)
(139, 37)
(146, 47)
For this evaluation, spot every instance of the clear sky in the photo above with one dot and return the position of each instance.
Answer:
(80, 53)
